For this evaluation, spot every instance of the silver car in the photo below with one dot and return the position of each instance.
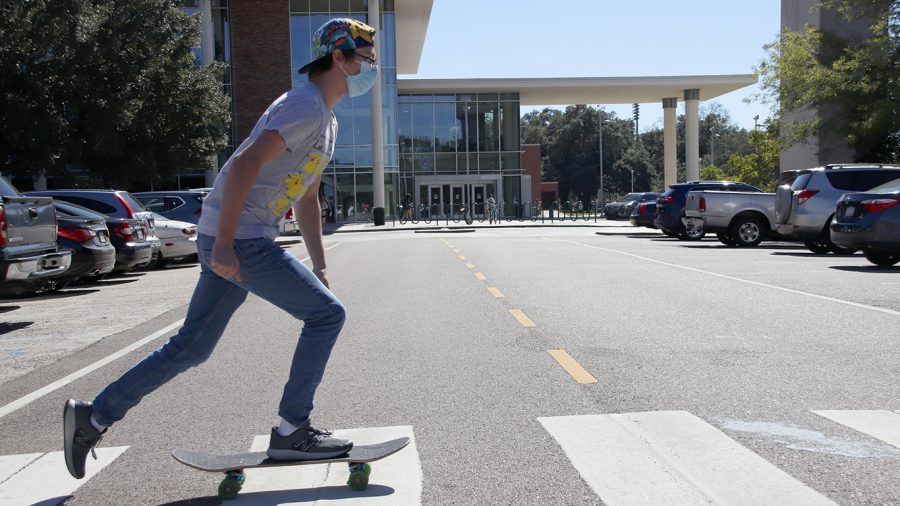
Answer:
(804, 209)
(178, 240)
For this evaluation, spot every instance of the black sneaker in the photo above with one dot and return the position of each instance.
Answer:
(80, 436)
(306, 443)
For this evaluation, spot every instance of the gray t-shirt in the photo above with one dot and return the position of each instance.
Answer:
(309, 129)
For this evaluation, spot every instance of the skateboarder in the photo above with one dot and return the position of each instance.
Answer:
(280, 162)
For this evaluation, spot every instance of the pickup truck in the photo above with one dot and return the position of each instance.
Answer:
(29, 256)
(742, 218)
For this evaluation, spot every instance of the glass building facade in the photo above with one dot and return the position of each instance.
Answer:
(441, 149)
(459, 148)
(348, 179)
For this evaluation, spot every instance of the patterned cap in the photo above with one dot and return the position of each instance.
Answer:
(340, 33)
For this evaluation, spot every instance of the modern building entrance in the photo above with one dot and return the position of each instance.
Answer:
(444, 200)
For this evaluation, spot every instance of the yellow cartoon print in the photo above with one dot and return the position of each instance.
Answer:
(296, 184)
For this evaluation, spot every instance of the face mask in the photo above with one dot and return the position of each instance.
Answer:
(361, 83)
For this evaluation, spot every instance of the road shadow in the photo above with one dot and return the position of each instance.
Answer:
(6, 309)
(113, 282)
(52, 295)
(7, 327)
(176, 267)
(807, 254)
(871, 269)
(275, 497)
(761, 246)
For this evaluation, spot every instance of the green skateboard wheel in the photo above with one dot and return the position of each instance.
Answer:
(358, 480)
(231, 485)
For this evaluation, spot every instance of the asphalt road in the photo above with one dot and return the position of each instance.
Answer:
(690, 346)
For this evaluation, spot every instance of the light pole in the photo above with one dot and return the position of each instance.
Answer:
(632, 180)
(712, 147)
(756, 122)
(600, 122)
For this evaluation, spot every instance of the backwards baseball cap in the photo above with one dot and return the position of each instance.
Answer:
(339, 33)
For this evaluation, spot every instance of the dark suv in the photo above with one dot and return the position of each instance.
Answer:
(113, 203)
(670, 206)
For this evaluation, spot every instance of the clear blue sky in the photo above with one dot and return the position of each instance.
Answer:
(603, 38)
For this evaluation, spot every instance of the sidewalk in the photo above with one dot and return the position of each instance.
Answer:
(443, 225)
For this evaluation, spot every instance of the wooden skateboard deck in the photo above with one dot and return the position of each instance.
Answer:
(233, 465)
(359, 454)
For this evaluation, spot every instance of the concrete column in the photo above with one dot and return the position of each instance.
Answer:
(377, 124)
(670, 140)
(692, 134)
(207, 56)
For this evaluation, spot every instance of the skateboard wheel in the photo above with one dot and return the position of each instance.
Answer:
(358, 480)
(230, 486)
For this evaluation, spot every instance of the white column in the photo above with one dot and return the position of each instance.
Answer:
(377, 124)
(207, 55)
(692, 134)
(670, 140)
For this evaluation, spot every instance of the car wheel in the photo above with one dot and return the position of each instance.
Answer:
(881, 258)
(817, 247)
(725, 238)
(691, 233)
(747, 231)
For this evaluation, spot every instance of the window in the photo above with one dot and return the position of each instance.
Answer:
(860, 180)
(94, 205)
(801, 181)
(155, 204)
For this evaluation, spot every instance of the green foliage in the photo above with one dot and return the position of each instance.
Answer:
(712, 173)
(761, 167)
(107, 85)
(858, 79)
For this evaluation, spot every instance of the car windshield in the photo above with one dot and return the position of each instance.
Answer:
(631, 197)
(889, 187)
(76, 210)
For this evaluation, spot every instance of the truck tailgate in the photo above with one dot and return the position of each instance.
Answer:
(30, 223)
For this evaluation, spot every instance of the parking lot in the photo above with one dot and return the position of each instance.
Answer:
(777, 362)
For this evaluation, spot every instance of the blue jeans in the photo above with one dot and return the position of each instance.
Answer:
(267, 271)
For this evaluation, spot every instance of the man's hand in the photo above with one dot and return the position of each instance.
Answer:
(224, 262)
(320, 273)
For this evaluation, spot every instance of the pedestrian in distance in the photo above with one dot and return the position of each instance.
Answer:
(279, 163)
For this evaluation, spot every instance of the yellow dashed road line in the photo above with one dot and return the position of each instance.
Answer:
(470, 265)
(572, 367)
(524, 320)
(462, 257)
(480, 277)
(496, 293)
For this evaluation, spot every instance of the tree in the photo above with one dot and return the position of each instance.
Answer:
(113, 87)
(856, 79)
(761, 167)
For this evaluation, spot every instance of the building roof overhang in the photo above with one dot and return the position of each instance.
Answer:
(586, 90)
(411, 23)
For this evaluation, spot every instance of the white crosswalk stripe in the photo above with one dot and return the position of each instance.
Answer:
(43, 478)
(878, 423)
(672, 458)
(395, 480)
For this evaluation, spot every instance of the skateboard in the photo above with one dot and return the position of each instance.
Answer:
(358, 459)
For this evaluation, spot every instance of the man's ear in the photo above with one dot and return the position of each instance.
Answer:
(338, 56)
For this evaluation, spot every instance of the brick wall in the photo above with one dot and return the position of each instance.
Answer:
(261, 58)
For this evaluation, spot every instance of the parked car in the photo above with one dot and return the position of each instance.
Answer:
(643, 214)
(30, 257)
(621, 209)
(93, 254)
(670, 206)
(186, 206)
(805, 208)
(738, 218)
(870, 221)
(126, 235)
(112, 203)
(178, 241)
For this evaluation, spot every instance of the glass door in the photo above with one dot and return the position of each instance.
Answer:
(456, 198)
(435, 202)
(478, 201)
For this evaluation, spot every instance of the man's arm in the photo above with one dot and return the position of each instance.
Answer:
(245, 167)
(309, 217)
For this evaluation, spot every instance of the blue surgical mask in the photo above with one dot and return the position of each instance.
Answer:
(361, 83)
